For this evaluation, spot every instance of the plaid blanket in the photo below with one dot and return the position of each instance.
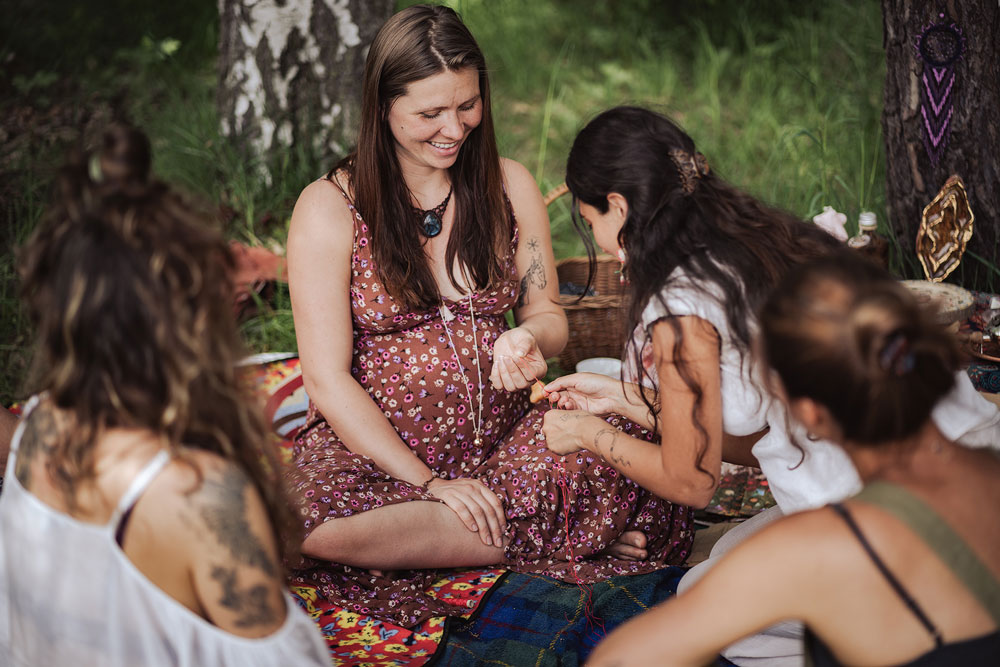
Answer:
(531, 620)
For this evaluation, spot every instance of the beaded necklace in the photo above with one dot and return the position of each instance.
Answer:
(476, 418)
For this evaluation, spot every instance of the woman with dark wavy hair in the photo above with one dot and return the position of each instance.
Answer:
(142, 515)
(420, 448)
(700, 257)
(905, 572)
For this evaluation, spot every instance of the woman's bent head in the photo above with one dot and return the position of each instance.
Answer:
(844, 334)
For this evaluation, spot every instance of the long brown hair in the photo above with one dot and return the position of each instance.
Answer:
(129, 289)
(842, 332)
(717, 236)
(416, 43)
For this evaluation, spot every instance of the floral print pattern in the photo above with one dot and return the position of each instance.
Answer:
(562, 512)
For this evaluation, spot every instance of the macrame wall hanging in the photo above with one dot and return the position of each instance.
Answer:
(940, 46)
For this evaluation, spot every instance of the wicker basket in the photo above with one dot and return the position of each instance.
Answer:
(596, 323)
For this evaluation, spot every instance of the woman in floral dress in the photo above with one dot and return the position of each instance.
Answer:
(403, 262)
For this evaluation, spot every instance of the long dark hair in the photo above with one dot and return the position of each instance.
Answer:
(416, 43)
(842, 332)
(129, 289)
(683, 221)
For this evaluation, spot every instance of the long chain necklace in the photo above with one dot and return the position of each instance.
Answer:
(476, 419)
(432, 220)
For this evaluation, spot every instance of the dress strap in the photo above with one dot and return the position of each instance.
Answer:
(904, 595)
(15, 441)
(939, 536)
(139, 484)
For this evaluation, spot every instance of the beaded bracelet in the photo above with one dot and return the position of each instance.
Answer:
(425, 486)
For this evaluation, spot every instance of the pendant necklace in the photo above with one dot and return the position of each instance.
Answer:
(476, 419)
(432, 220)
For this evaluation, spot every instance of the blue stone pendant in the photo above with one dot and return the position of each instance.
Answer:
(431, 224)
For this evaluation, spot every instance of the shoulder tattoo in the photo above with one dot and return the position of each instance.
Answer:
(39, 437)
(224, 511)
(250, 604)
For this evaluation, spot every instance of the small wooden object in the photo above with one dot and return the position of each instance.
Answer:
(945, 229)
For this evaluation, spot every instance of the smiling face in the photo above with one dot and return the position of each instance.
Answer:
(435, 116)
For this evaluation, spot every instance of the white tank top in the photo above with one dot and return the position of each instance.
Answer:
(70, 596)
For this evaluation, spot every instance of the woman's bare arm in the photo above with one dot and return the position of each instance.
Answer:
(685, 466)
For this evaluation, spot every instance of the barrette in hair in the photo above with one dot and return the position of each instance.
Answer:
(896, 356)
(689, 167)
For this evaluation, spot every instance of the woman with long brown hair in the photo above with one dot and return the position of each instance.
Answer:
(143, 517)
(905, 572)
(420, 450)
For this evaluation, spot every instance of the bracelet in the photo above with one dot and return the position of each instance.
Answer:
(426, 485)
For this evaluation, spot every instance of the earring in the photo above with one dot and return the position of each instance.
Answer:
(622, 258)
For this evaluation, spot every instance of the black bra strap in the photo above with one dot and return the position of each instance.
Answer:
(889, 576)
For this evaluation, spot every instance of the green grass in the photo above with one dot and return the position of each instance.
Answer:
(784, 98)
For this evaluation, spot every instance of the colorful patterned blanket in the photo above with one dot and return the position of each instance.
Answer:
(354, 640)
(527, 616)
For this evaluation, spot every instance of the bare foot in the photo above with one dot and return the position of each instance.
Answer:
(631, 545)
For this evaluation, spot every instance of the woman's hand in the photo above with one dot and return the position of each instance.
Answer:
(517, 361)
(568, 431)
(475, 504)
(594, 393)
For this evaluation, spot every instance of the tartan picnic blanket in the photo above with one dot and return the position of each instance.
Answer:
(532, 620)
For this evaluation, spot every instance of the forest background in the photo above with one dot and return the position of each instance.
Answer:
(783, 97)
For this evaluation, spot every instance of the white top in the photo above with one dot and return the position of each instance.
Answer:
(70, 596)
(825, 474)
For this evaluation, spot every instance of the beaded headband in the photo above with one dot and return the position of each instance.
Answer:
(690, 167)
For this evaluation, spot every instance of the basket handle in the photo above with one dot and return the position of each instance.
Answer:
(555, 193)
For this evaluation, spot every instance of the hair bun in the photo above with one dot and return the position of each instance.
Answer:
(125, 156)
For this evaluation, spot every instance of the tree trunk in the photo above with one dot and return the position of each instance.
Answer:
(290, 71)
(920, 157)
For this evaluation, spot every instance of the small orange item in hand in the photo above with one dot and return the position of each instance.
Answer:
(538, 391)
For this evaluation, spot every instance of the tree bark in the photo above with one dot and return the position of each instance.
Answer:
(290, 71)
(973, 143)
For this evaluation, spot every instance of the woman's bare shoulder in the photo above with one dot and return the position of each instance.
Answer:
(212, 514)
(322, 205)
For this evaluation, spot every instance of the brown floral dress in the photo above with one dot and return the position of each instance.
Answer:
(562, 512)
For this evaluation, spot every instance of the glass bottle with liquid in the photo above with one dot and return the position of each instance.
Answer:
(868, 241)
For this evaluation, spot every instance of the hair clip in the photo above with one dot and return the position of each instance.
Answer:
(689, 167)
(896, 356)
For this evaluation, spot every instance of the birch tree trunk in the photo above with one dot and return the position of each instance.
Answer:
(936, 126)
(290, 71)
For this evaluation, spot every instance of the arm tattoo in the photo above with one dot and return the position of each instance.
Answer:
(225, 514)
(609, 436)
(535, 275)
(250, 604)
(39, 435)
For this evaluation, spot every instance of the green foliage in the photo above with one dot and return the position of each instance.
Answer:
(784, 98)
